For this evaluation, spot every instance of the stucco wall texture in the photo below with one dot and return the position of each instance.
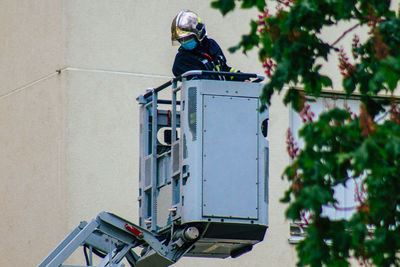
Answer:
(70, 72)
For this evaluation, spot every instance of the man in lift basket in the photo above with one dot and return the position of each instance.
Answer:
(197, 51)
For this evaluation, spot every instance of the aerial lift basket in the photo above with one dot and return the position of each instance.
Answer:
(203, 182)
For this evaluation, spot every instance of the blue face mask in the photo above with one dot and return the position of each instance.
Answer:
(190, 45)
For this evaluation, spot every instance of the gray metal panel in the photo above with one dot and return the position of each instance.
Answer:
(175, 158)
(154, 259)
(147, 171)
(266, 174)
(163, 169)
(164, 203)
(230, 164)
(192, 111)
(231, 88)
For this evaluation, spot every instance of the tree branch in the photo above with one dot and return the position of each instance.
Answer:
(344, 34)
(342, 208)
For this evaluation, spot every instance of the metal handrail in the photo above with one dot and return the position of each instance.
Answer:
(222, 73)
(259, 78)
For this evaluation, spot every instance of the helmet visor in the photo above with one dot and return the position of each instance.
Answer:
(179, 34)
(184, 25)
(186, 39)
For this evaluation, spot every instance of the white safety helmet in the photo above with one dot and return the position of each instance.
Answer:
(185, 26)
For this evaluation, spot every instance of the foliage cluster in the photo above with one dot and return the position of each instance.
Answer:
(339, 146)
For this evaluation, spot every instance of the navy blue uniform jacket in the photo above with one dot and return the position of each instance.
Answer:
(207, 50)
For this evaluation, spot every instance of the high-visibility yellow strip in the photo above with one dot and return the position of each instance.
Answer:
(213, 247)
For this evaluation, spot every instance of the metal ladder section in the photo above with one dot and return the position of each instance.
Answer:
(114, 238)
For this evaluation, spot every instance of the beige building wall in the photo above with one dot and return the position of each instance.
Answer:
(33, 181)
(69, 140)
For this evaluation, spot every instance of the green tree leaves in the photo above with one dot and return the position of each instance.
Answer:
(226, 6)
(339, 146)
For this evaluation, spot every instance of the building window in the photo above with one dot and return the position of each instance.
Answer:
(346, 196)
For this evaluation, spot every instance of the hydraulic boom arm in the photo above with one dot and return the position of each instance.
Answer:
(114, 238)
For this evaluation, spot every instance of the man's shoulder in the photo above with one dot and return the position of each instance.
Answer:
(210, 43)
(212, 47)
